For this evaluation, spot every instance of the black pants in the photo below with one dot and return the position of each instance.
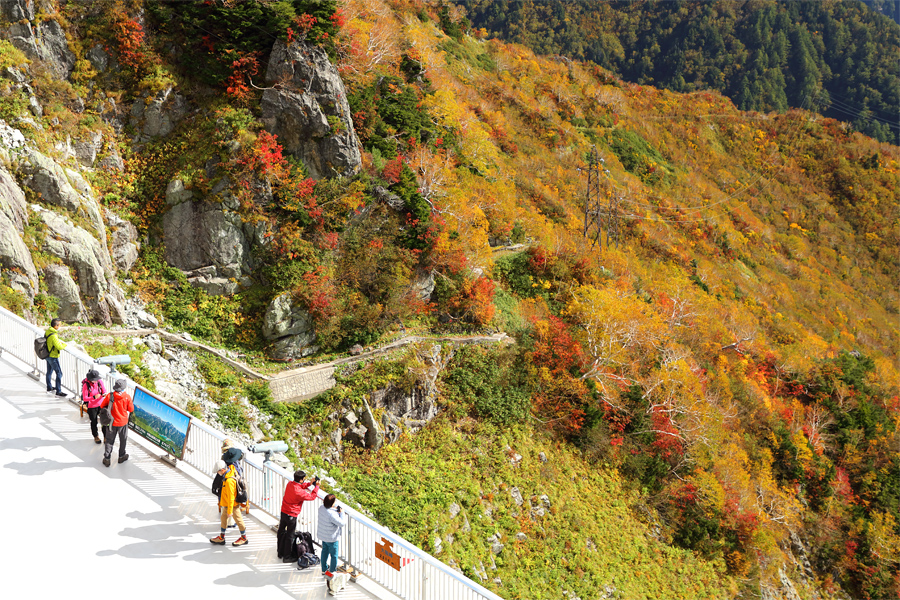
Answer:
(286, 528)
(92, 415)
(122, 432)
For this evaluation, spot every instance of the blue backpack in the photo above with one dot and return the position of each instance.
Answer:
(307, 560)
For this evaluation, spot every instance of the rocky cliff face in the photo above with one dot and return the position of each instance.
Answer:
(55, 236)
(307, 109)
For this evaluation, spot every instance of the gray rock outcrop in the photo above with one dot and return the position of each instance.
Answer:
(14, 255)
(124, 244)
(157, 116)
(86, 149)
(401, 410)
(289, 328)
(306, 107)
(39, 39)
(89, 259)
(206, 240)
(57, 186)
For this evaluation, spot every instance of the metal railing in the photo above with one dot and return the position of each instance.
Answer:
(420, 576)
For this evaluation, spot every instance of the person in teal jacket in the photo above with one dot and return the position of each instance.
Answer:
(54, 345)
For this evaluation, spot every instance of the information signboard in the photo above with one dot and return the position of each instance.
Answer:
(160, 422)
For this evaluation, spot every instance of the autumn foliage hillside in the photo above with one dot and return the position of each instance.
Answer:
(708, 398)
(734, 354)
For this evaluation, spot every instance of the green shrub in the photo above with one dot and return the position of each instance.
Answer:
(231, 415)
(217, 373)
(637, 156)
(512, 270)
(488, 380)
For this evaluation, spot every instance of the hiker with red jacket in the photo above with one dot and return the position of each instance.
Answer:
(295, 494)
(92, 392)
(122, 405)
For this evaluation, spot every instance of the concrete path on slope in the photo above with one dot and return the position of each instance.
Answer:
(73, 528)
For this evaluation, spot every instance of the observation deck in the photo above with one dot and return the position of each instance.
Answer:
(139, 529)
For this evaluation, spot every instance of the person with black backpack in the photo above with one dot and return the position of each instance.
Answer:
(54, 347)
(230, 503)
(295, 494)
(92, 392)
(119, 405)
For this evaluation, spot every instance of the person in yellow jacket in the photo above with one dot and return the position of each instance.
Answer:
(228, 504)
(55, 346)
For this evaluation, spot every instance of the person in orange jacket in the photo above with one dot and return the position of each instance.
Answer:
(122, 405)
(228, 504)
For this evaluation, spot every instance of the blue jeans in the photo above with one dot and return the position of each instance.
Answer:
(329, 549)
(53, 367)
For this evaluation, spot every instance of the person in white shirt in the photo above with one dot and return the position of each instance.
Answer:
(331, 523)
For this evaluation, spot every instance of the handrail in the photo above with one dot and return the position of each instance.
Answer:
(420, 576)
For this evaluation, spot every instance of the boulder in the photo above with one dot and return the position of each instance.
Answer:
(306, 107)
(86, 149)
(61, 286)
(423, 285)
(98, 58)
(145, 319)
(290, 329)
(374, 434)
(115, 300)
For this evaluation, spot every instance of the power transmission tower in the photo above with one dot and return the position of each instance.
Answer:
(593, 218)
(595, 213)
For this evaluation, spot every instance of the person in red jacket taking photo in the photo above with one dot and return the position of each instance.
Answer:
(295, 494)
(122, 405)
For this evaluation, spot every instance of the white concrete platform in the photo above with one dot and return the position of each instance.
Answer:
(72, 528)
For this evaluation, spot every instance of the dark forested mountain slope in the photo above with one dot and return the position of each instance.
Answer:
(836, 57)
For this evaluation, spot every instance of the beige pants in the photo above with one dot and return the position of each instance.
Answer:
(236, 513)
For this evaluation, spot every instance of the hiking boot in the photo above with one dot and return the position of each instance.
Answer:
(123, 458)
(219, 540)
(106, 461)
(240, 541)
(97, 440)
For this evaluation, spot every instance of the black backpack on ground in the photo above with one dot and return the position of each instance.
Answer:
(303, 544)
